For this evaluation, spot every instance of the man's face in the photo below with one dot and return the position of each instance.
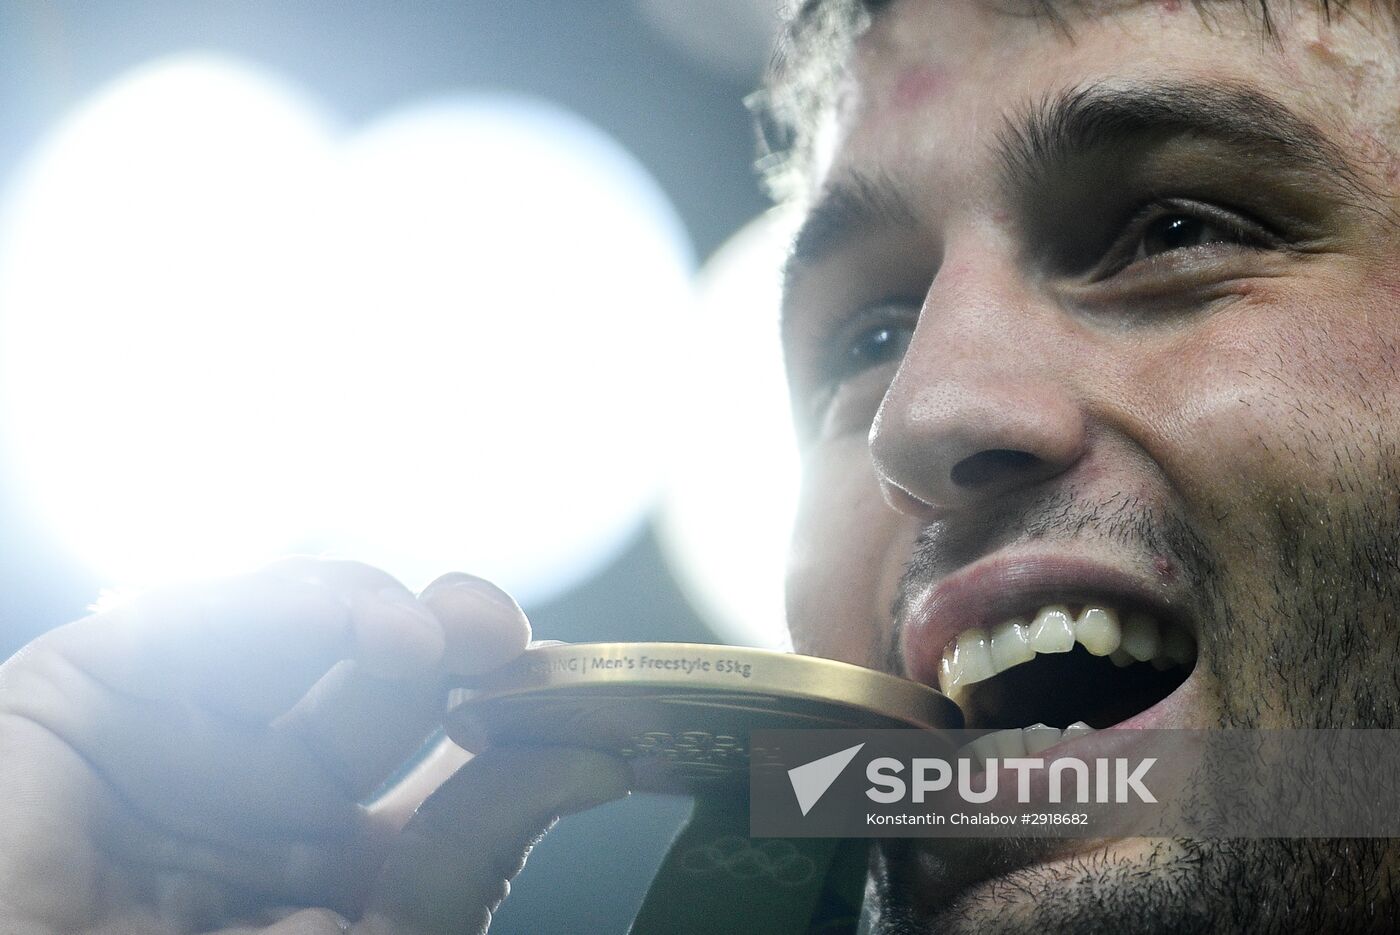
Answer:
(1109, 317)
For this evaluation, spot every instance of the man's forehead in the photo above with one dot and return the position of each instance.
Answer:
(1063, 16)
(940, 74)
(957, 63)
(929, 78)
(911, 43)
(808, 95)
(904, 28)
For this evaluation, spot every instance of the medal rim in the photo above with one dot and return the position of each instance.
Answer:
(811, 679)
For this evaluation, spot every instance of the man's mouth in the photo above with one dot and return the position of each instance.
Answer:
(1035, 651)
(1077, 667)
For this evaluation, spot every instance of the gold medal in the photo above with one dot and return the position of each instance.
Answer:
(681, 712)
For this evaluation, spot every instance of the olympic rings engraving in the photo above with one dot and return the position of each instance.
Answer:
(744, 859)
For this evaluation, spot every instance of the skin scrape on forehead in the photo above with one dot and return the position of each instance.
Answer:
(919, 83)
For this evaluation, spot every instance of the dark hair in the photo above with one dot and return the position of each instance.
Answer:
(807, 64)
(811, 57)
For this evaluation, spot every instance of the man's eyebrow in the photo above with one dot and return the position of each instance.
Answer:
(856, 205)
(1052, 132)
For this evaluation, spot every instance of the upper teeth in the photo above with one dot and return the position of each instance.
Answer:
(977, 655)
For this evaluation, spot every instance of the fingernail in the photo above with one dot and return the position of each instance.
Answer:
(478, 588)
(490, 602)
(406, 602)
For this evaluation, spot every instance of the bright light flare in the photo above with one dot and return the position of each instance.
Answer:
(228, 332)
(726, 520)
(536, 279)
(144, 354)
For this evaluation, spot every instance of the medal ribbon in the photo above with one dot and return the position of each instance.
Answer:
(717, 879)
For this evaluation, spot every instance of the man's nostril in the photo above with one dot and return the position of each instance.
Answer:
(989, 466)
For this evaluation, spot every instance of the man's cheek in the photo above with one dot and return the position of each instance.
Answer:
(1286, 413)
(848, 550)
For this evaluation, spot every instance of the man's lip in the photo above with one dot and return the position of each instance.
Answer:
(1002, 586)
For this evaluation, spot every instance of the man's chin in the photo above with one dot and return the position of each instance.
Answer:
(1152, 886)
(984, 885)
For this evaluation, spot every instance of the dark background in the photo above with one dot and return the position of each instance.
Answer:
(666, 79)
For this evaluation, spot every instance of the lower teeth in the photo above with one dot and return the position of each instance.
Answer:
(1017, 742)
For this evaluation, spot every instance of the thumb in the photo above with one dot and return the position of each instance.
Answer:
(451, 866)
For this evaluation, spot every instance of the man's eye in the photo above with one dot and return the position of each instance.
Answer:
(875, 346)
(1178, 232)
(878, 338)
(868, 346)
(1164, 228)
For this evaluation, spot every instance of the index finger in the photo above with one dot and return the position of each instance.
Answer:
(248, 646)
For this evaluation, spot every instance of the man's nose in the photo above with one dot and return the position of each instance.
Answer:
(984, 403)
